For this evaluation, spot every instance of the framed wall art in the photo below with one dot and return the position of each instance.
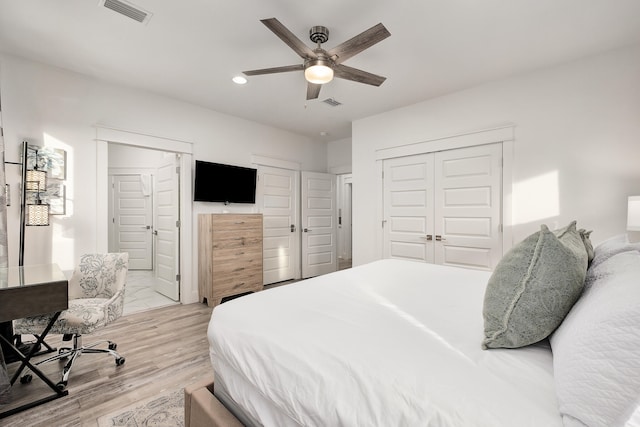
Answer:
(49, 159)
(54, 197)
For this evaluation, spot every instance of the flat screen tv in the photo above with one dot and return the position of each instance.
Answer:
(216, 182)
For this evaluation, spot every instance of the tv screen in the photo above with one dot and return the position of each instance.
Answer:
(215, 182)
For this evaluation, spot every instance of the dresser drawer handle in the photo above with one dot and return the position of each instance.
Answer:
(239, 269)
(239, 222)
(240, 253)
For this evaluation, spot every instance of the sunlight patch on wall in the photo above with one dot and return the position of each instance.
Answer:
(63, 242)
(536, 199)
(64, 173)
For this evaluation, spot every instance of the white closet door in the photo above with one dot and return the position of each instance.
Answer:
(278, 202)
(167, 231)
(408, 207)
(319, 226)
(445, 207)
(468, 205)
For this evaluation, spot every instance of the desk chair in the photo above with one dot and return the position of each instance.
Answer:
(96, 298)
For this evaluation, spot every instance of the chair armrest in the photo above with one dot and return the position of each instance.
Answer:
(114, 306)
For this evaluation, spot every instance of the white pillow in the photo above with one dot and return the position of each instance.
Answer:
(612, 246)
(596, 349)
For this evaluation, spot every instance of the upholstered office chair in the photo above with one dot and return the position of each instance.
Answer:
(96, 298)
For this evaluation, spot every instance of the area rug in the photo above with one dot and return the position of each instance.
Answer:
(158, 411)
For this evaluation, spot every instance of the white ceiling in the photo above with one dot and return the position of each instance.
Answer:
(190, 49)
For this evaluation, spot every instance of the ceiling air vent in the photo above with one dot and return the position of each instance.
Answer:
(332, 102)
(127, 9)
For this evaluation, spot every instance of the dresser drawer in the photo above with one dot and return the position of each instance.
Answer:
(237, 222)
(238, 239)
(225, 257)
(239, 272)
(248, 279)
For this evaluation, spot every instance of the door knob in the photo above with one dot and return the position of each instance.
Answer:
(439, 238)
(306, 230)
(293, 228)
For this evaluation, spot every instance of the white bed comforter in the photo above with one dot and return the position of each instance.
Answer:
(391, 343)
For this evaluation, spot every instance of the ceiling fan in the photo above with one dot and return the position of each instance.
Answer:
(320, 66)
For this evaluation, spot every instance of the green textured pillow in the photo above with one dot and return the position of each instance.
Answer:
(591, 253)
(533, 288)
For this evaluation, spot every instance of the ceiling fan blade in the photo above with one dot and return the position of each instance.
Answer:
(313, 90)
(289, 38)
(274, 70)
(359, 43)
(349, 73)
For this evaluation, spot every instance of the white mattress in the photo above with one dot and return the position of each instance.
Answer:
(391, 343)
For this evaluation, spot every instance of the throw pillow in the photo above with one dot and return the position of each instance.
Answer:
(533, 288)
(587, 244)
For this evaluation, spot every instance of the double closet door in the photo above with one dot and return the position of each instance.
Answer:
(299, 223)
(445, 207)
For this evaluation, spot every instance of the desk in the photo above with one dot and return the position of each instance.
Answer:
(30, 291)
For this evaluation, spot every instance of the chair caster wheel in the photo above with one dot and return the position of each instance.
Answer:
(61, 385)
(113, 346)
(120, 361)
(25, 379)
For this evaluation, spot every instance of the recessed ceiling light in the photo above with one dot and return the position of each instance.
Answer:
(323, 133)
(239, 80)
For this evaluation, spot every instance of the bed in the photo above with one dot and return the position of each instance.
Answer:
(399, 343)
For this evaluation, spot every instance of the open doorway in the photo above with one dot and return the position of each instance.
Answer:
(344, 205)
(143, 218)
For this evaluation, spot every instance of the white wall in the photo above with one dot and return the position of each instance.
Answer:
(50, 106)
(126, 156)
(339, 156)
(576, 150)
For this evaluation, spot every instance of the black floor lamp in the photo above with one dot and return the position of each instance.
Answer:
(34, 213)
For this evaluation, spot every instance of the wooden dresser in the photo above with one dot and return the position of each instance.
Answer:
(229, 255)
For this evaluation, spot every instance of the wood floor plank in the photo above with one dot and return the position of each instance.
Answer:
(165, 349)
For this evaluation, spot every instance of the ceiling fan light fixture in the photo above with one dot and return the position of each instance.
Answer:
(239, 80)
(318, 71)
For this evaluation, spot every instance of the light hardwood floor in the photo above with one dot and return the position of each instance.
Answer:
(165, 349)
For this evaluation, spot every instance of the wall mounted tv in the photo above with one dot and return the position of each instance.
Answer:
(216, 182)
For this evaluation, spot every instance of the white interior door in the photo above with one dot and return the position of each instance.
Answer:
(277, 200)
(445, 207)
(345, 186)
(167, 230)
(408, 208)
(318, 224)
(132, 219)
(468, 206)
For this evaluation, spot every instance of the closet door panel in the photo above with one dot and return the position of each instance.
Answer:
(468, 206)
(319, 222)
(277, 199)
(408, 207)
